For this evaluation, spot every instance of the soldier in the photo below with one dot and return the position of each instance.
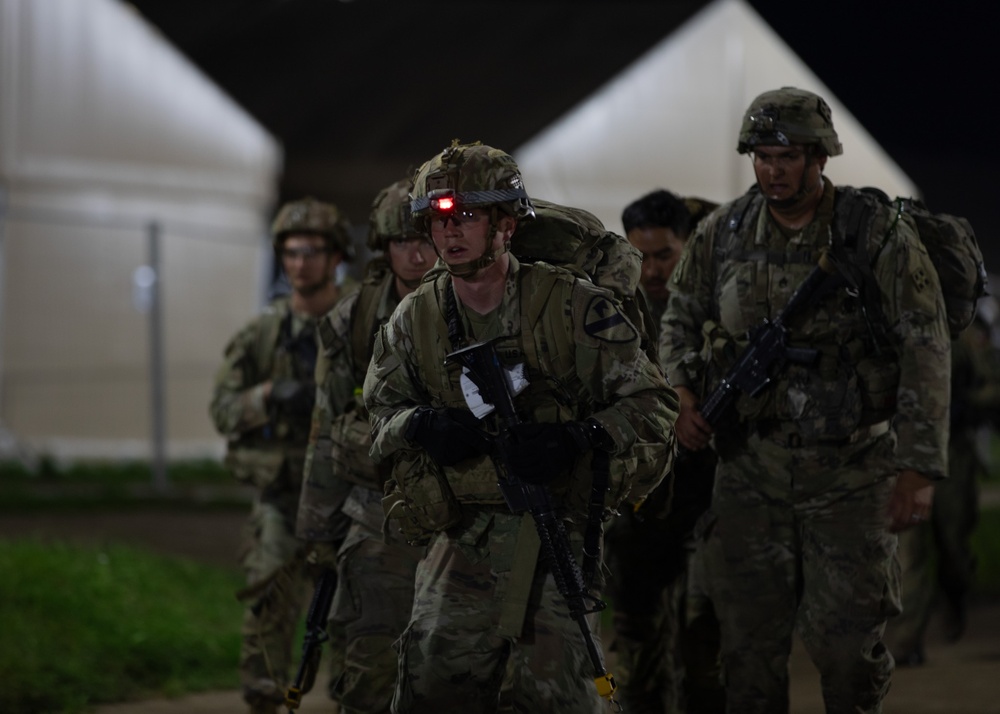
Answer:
(262, 402)
(975, 401)
(840, 450)
(666, 644)
(342, 487)
(487, 609)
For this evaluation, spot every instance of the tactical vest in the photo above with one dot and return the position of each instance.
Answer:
(538, 339)
(350, 432)
(258, 456)
(852, 383)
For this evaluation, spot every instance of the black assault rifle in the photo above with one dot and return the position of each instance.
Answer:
(768, 350)
(488, 375)
(312, 642)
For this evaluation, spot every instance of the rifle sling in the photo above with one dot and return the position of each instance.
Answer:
(522, 574)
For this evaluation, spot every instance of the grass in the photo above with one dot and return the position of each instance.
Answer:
(48, 485)
(203, 471)
(83, 626)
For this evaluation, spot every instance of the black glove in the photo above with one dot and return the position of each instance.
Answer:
(292, 397)
(537, 453)
(449, 435)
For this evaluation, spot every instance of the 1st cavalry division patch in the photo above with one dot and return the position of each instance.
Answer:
(605, 321)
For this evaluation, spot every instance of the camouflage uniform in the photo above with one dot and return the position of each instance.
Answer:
(267, 438)
(267, 450)
(666, 635)
(343, 488)
(482, 596)
(975, 384)
(801, 538)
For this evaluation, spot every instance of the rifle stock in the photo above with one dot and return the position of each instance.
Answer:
(484, 369)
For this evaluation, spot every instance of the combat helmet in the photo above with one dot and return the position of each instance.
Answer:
(469, 176)
(311, 216)
(786, 116)
(390, 216)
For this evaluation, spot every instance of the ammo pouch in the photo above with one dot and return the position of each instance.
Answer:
(475, 481)
(822, 407)
(257, 467)
(879, 383)
(350, 442)
(423, 499)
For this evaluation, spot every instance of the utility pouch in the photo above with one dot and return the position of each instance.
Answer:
(256, 467)
(879, 383)
(428, 499)
(350, 442)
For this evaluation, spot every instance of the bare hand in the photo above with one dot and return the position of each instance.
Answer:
(693, 432)
(911, 500)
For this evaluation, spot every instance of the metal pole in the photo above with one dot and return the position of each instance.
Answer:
(8, 444)
(157, 375)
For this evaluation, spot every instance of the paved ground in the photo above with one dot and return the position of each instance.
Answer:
(963, 678)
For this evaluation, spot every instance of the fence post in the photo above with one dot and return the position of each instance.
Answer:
(156, 363)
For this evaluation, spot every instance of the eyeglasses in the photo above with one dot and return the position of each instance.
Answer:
(784, 160)
(459, 217)
(307, 253)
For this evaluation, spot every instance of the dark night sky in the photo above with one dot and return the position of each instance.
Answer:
(919, 75)
(922, 81)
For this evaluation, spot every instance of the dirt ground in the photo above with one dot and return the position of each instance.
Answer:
(961, 678)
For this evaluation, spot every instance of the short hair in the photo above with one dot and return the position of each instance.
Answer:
(658, 209)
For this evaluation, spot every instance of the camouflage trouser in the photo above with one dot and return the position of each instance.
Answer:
(803, 542)
(372, 607)
(271, 615)
(646, 587)
(666, 639)
(953, 519)
(451, 658)
(700, 641)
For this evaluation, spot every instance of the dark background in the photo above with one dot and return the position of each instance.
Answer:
(361, 92)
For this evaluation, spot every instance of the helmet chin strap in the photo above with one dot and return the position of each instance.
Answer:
(804, 191)
(469, 269)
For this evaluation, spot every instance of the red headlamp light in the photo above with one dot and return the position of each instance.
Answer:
(442, 200)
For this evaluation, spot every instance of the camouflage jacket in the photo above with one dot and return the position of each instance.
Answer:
(728, 281)
(582, 359)
(260, 441)
(340, 476)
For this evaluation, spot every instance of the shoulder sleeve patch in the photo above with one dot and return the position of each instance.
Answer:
(604, 321)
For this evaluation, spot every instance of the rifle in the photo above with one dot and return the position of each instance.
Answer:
(315, 636)
(485, 370)
(768, 350)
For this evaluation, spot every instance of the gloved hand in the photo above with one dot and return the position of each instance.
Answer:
(292, 397)
(449, 435)
(541, 452)
(320, 556)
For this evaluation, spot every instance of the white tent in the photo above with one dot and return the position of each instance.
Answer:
(104, 129)
(671, 120)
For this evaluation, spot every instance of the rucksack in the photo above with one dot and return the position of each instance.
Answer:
(950, 243)
(576, 240)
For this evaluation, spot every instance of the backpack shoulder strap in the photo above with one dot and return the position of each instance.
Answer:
(364, 317)
(738, 213)
(854, 212)
(269, 329)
